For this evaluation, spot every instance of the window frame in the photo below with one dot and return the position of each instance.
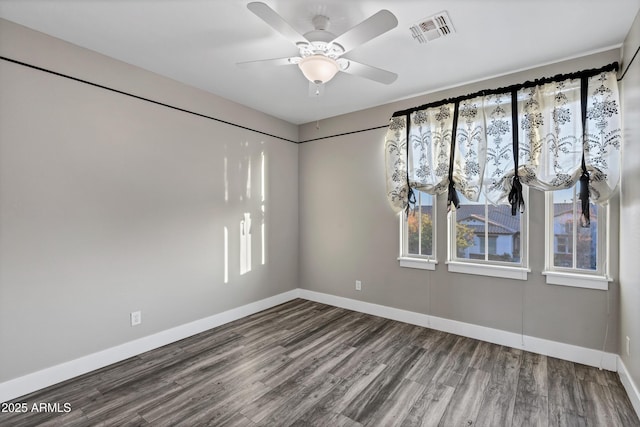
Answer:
(421, 262)
(488, 267)
(572, 276)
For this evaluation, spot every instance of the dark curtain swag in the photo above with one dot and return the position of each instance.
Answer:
(547, 134)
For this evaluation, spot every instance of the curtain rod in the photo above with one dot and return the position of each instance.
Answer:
(397, 113)
(624, 73)
(141, 98)
(585, 73)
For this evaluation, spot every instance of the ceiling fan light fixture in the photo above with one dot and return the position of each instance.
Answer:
(318, 68)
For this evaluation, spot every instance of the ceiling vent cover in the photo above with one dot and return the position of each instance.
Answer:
(433, 27)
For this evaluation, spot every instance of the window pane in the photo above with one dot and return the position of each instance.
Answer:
(504, 234)
(574, 246)
(413, 231)
(470, 229)
(587, 244)
(426, 242)
(486, 232)
(563, 219)
(420, 226)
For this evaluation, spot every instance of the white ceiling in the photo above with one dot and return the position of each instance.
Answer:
(199, 42)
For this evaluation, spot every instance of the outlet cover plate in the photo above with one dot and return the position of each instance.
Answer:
(136, 318)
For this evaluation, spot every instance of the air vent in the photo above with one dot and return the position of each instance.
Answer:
(433, 27)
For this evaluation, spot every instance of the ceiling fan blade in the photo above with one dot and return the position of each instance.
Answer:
(368, 29)
(371, 73)
(269, 62)
(316, 89)
(274, 20)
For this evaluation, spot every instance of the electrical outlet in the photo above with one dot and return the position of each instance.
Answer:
(358, 285)
(136, 318)
(628, 346)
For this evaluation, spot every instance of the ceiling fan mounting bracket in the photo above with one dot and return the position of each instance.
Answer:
(320, 22)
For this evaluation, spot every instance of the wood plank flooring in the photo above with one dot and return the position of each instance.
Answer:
(309, 364)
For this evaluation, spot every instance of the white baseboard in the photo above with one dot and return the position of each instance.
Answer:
(583, 355)
(35, 381)
(629, 385)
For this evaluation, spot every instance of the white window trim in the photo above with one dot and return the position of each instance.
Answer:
(486, 269)
(577, 280)
(598, 279)
(420, 262)
(489, 268)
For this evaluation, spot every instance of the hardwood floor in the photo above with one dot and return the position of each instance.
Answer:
(308, 364)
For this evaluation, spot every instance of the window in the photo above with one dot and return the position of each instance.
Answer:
(417, 234)
(486, 239)
(576, 255)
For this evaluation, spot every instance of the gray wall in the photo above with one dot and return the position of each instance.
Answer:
(109, 204)
(348, 232)
(630, 208)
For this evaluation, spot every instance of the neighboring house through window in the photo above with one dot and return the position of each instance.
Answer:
(576, 252)
(487, 239)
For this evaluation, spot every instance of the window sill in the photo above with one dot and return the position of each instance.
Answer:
(419, 263)
(577, 280)
(519, 273)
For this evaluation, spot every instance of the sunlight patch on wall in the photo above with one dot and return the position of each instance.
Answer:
(245, 244)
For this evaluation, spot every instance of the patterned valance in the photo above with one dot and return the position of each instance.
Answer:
(563, 129)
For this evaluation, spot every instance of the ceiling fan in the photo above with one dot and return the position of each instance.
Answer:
(320, 51)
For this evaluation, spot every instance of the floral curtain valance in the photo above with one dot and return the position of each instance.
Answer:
(563, 129)
(430, 148)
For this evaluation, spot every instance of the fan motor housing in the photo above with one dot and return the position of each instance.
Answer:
(331, 50)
